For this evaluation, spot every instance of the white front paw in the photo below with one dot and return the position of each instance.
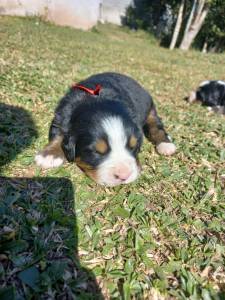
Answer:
(166, 148)
(48, 161)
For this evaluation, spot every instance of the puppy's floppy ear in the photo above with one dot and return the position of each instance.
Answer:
(68, 146)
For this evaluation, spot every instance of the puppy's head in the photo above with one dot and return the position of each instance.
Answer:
(104, 143)
(191, 98)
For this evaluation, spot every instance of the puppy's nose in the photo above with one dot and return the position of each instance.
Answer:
(122, 173)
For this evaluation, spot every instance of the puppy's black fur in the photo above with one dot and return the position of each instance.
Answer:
(120, 94)
(78, 118)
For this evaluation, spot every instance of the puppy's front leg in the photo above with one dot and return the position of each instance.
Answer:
(52, 155)
(155, 132)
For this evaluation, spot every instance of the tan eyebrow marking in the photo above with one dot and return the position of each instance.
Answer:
(132, 141)
(101, 146)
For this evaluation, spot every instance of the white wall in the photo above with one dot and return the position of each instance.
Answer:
(113, 10)
(75, 13)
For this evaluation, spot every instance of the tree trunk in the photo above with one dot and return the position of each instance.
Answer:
(178, 25)
(190, 17)
(204, 48)
(199, 18)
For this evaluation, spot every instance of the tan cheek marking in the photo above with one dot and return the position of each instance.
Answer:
(101, 146)
(87, 169)
(93, 175)
(132, 141)
(83, 165)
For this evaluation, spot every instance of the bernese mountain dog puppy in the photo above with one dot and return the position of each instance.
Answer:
(99, 124)
(210, 93)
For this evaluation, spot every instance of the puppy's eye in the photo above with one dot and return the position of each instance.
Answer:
(101, 147)
(132, 142)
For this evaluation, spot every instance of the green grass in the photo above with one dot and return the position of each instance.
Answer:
(162, 237)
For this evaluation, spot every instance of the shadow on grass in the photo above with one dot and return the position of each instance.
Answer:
(38, 229)
(17, 131)
(38, 249)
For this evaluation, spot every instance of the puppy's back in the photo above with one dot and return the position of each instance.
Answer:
(123, 88)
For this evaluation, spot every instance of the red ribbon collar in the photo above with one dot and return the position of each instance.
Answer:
(87, 90)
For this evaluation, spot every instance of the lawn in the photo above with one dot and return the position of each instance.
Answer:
(63, 236)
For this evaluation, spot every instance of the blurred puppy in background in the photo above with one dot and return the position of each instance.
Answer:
(210, 93)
